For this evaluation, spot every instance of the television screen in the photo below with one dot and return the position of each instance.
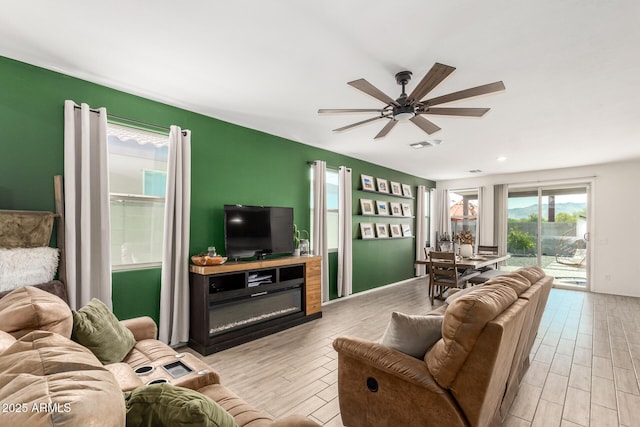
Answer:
(257, 230)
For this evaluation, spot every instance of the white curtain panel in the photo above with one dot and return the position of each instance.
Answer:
(174, 289)
(500, 200)
(432, 216)
(443, 214)
(420, 229)
(87, 221)
(345, 231)
(481, 226)
(319, 237)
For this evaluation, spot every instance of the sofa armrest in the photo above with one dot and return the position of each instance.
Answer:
(143, 328)
(294, 421)
(381, 386)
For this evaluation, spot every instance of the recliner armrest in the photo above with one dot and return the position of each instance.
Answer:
(381, 386)
(401, 365)
(143, 328)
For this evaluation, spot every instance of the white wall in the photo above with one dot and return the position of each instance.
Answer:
(615, 218)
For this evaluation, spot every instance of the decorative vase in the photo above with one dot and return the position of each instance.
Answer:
(304, 247)
(296, 252)
(466, 250)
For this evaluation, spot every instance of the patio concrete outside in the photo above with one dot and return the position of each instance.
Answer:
(564, 274)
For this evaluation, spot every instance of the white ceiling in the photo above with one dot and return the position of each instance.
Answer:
(571, 68)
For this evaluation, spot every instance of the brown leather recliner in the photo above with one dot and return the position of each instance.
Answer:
(469, 377)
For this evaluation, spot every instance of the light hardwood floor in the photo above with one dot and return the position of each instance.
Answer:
(584, 371)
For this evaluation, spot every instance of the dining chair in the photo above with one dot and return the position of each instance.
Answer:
(487, 250)
(444, 274)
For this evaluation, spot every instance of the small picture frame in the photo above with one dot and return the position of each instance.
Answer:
(396, 210)
(406, 190)
(395, 229)
(406, 209)
(367, 183)
(366, 229)
(383, 207)
(406, 230)
(383, 185)
(396, 188)
(366, 205)
(382, 231)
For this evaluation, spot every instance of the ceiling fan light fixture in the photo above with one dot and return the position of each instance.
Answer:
(403, 112)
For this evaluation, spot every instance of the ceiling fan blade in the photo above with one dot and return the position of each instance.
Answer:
(467, 93)
(385, 130)
(358, 123)
(371, 90)
(468, 112)
(425, 125)
(433, 78)
(349, 110)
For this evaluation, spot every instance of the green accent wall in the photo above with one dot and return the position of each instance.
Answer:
(231, 164)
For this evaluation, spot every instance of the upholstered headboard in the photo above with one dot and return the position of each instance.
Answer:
(24, 242)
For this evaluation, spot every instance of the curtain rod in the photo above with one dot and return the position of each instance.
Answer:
(126, 119)
(313, 162)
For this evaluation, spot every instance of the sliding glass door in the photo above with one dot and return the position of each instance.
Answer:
(548, 227)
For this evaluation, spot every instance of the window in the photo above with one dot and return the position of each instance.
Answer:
(332, 208)
(137, 181)
(463, 209)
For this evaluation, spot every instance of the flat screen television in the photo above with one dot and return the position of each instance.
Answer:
(257, 230)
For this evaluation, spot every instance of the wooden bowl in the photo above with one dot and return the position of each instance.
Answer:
(208, 260)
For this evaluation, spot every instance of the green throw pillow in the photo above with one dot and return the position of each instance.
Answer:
(167, 405)
(98, 329)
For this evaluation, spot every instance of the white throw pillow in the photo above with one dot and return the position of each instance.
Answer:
(27, 266)
(412, 334)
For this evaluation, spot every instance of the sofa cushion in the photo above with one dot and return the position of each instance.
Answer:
(61, 383)
(28, 309)
(455, 293)
(98, 329)
(125, 376)
(463, 322)
(169, 405)
(412, 334)
(533, 273)
(6, 340)
(514, 280)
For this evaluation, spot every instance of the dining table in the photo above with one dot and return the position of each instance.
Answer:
(474, 263)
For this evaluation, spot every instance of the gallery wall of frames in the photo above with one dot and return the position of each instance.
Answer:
(389, 212)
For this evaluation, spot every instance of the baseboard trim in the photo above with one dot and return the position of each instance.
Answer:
(368, 291)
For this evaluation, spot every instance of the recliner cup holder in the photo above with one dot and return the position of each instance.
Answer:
(144, 370)
(158, 381)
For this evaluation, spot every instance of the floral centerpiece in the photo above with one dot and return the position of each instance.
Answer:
(464, 237)
(465, 240)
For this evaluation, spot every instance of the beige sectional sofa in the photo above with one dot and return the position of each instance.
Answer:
(46, 379)
(471, 374)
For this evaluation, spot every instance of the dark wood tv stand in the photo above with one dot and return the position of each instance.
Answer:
(237, 302)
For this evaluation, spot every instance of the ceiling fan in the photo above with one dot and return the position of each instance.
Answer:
(411, 106)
